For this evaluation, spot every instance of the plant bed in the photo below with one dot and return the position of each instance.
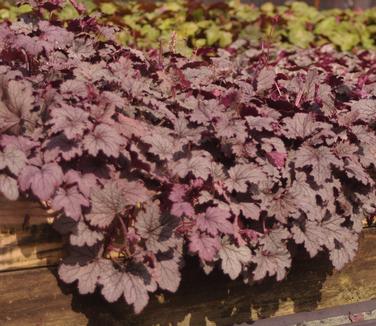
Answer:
(241, 158)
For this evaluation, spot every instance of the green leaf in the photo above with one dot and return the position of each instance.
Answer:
(326, 26)
(199, 43)
(150, 33)
(188, 29)
(173, 6)
(23, 9)
(4, 14)
(124, 38)
(212, 34)
(89, 5)
(204, 24)
(267, 7)
(225, 39)
(299, 36)
(68, 12)
(346, 41)
(107, 8)
(132, 21)
(247, 14)
(303, 10)
(251, 33)
(166, 24)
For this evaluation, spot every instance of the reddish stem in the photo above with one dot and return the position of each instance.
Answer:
(124, 228)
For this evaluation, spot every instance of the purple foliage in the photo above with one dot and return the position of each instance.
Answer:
(157, 156)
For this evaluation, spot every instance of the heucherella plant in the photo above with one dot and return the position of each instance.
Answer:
(236, 156)
(146, 24)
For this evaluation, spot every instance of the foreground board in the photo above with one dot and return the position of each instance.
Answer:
(26, 240)
(35, 297)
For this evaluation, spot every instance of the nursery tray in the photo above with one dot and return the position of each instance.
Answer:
(30, 293)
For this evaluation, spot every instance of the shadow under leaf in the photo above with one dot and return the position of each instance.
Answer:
(215, 298)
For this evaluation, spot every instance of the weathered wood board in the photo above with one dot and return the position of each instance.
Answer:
(35, 297)
(26, 239)
(30, 293)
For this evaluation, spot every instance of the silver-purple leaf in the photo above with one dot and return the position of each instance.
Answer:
(271, 263)
(71, 201)
(168, 274)
(9, 187)
(156, 228)
(320, 159)
(103, 139)
(43, 181)
(265, 79)
(87, 275)
(214, 221)
(199, 165)
(116, 284)
(71, 121)
(233, 258)
(12, 158)
(241, 175)
(206, 246)
(161, 145)
(83, 235)
(112, 199)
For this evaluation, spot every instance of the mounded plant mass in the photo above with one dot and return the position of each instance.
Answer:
(236, 156)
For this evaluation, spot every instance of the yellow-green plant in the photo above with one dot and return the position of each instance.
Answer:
(148, 24)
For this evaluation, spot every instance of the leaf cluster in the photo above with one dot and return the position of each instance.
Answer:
(237, 156)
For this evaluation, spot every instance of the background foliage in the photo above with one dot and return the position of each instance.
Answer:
(147, 23)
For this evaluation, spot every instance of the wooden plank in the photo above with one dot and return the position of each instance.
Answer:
(12, 214)
(26, 239)
(364, 313)
(24, 250)
(36, 298)
(33, 298)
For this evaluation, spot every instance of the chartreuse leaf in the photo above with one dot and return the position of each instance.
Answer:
(90, 5)
(245, 13)
(345, 36)
(225, 39)
(4, 14)
(150, 33)
(107, 8)
(299, 36)
(132, 21)
(212, 34)
(15, 11)
(173, 6)
(303, 11)
(199, 43)
(68, 12)
(187, 29)
(326, 26)
(268, 8)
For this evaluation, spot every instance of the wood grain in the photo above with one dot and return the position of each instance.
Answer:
(35, 297)
(26, 239)
(12, 213)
